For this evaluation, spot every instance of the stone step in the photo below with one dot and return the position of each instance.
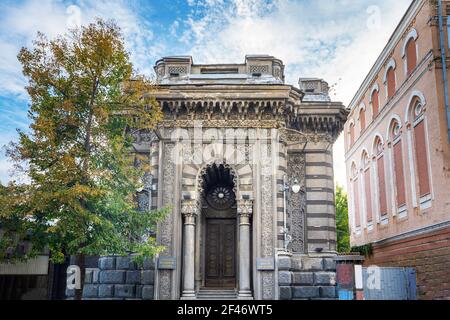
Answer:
(217, 291)
(212, 297)
(222, 294)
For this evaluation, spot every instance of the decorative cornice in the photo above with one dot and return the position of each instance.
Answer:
(314, 118)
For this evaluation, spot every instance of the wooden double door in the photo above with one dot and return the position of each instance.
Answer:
(220, 253)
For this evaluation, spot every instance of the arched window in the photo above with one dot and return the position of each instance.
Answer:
(378, 150)
(420, 146)
(411, 56)
(367, 189)
(390, 82)
(409, 51)
(375, 103)
(356, 210)
(362, 119)
(395, 135)
(352, 134)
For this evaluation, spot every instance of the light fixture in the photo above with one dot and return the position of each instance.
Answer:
(295, 187)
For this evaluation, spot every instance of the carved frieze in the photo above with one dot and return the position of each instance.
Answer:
(254, 113)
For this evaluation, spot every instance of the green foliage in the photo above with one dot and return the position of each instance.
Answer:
(85, 100)
(342, 227)
(365, 250)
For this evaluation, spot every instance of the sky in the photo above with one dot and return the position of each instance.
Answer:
(337, 40)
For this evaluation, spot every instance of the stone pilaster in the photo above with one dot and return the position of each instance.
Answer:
(245, 211)
(189, 210)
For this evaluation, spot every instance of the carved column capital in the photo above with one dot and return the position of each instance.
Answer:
(189, 210)
(245, 211)
(245, 207)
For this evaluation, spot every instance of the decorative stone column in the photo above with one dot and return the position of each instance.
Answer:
(245, 210)
(189, 210)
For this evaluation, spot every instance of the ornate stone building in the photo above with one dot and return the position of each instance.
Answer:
(235, 145)
(245, 163)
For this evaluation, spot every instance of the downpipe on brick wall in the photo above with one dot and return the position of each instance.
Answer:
(444, 64)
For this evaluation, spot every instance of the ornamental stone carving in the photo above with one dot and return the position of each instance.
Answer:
(244, 120)
(267, 241)
(165, 228)
(296, 203)
(245, 211)
(245, 207)
(190, 210)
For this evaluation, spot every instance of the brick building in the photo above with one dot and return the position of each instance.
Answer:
(397, 151)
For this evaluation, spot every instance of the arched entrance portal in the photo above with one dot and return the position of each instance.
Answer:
(217, 229)
(219, 221)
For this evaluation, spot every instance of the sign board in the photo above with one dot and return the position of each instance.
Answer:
(167, 263)
(265, 264)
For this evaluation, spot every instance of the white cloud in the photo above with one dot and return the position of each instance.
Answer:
(20, 23)
(25, 19)
(335, 40)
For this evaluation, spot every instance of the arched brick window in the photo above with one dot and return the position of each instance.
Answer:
(390, 82)
(362, 119)
(352, 134)
(382, 199)
(375, 103)
(409, 51)
(367, 189)
(411, 56)
(420, 146)
(355, 187)
(399, 176)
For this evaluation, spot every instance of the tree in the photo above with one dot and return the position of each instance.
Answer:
(342, 228)
(85, 101)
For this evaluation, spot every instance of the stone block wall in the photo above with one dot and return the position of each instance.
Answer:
(119, 278)
(307, 277)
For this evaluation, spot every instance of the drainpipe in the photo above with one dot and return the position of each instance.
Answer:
(444, 64)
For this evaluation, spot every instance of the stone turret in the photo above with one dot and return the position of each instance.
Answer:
(315, 89)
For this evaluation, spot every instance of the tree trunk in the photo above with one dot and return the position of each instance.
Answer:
(80, 262)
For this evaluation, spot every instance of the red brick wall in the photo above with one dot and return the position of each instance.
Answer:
(429, 254)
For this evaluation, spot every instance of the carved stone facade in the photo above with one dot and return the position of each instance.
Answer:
(231, 135)
(296, 204)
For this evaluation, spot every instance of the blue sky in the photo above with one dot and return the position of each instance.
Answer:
(338, 40)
